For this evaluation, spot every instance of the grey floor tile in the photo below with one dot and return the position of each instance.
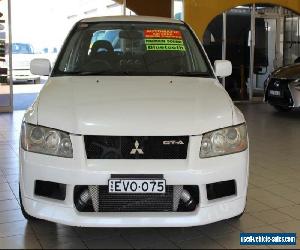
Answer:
(13, 178)
(289, 227)
(246, 222)
(4, 187)
(294, 185)
(15, 228)
(19, 242)
(9, 205)
(162, 244)
(6, 195)
(96, 233)
(255, 206)
(293, 211)
(11, 216)
(272, 216)
(10, 171)
(143, 238)
(200, 243)
(218, 229)
(2, 179)
(272, 200)
(264, 229)
(62, 243)
(46, 230)
(116, 242)
(181, 234)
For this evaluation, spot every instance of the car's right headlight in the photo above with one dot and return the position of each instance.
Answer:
(224, 141)
(45, 140)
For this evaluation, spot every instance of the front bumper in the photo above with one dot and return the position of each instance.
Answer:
(80, 171)
(290, 94)
(24, 75)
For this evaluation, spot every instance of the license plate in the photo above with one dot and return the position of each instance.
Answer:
(137, 186)
(275, 93)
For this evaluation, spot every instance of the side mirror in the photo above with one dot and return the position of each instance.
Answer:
(40, 66)
(223, 68)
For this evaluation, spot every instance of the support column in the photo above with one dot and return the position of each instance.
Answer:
(224, 41)
(124, 7)
(252, 49)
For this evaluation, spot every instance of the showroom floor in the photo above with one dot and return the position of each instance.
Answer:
(273, 198)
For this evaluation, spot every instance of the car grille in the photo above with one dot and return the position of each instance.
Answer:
(98, 199)
(135, 202)
(136, 147)
(285, 99)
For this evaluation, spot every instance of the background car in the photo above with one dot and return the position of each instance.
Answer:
(283, 88)
(22, 54)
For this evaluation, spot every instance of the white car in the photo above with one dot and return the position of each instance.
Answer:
(142, 136)
(22, 54)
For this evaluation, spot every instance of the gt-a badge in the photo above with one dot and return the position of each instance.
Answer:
(173, 142)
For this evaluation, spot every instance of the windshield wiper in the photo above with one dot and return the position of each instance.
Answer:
(191, 74)
(95, 73)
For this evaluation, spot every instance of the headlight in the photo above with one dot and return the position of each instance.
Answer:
(224, 141)
(47, 141)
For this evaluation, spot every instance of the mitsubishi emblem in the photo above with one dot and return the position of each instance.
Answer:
(136, 150)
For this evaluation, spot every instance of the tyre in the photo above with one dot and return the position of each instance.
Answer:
(282, 108)
(25, 214)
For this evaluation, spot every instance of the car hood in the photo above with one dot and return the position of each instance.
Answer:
(133, 105)
(289, 72)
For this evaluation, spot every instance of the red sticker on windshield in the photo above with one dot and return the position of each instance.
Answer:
(174, 34)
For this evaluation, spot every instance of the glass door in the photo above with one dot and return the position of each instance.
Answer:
(6, 104)
(178, 9)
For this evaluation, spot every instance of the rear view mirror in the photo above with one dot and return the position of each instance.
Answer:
(131, 35)
(223, 68)
(40, 66)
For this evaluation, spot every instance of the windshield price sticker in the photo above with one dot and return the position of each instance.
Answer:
(173, 34)
(164, 40)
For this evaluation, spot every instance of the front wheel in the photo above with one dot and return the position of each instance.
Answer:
(282, 108)
(25, 214)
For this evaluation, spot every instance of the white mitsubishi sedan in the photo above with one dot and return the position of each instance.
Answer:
(133, 129)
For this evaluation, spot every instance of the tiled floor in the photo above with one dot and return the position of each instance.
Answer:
(273, 198)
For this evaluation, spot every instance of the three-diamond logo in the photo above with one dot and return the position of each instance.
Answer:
(136, 150)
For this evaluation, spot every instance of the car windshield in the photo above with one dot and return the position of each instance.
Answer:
(132, 48)
(21, 48)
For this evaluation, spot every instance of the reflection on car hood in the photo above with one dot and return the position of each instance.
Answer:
(134, 105)
(289, 72)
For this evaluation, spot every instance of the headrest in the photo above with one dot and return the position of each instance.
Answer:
(101, 44)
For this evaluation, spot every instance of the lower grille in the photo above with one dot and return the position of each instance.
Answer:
(98, 199)
(135, 202)
(285, 99)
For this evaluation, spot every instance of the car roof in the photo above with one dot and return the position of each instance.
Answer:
(150, 19)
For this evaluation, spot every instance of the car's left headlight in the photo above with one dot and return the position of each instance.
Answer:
(224, 141)
(47, 141)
